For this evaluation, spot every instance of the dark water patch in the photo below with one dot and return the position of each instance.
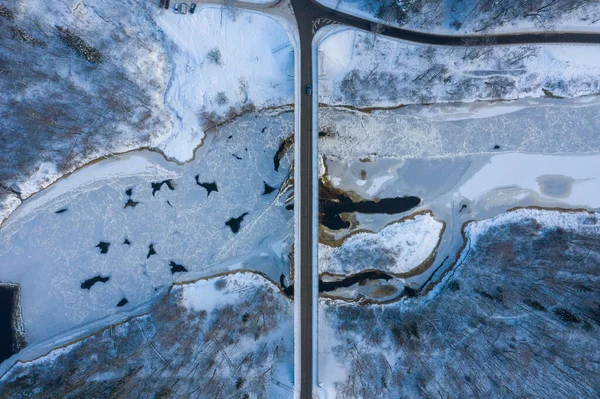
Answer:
(237, 157)
(229, 138)
(268, 189)
(103, 247)
(130, 203)
(157, 186)
(9, 343)
(326, 286)
(430, 278)
(175, 268)
(334, 222)
(234, 223)
(61, 210)
(129, 191)
(263, 129)
(333, 202)
(359, 278)
(122, 302)
(209, 187)
(283, 147)
(496, 147)
(87, 284)
(410, 292)
(126, 242)
(289, 207)
(151, 251)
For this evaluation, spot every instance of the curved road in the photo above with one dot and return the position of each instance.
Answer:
(310, 16)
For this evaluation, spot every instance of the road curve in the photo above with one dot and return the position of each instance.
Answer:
(329, 16)
(310, 16)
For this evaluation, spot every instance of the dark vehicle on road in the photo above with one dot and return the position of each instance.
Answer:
(167, 3)
(192, 8)
(308, 90)
(161, 4)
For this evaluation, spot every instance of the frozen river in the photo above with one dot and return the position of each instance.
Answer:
(466, 162)
(108, 237)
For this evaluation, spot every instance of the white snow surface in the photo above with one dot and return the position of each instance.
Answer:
(359, 69)
(222, 64)
(397, 248)
(204, 294)
(50, 255)
(580, 176)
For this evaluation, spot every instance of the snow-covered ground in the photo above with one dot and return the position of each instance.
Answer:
(363, 70)
(522, 289)
(221, 337)
(570, 221)
(164, 79)
(159, 222)
(398, 248)
(222, 66)
(471, 16)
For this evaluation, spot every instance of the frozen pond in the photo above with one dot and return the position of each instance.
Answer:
(109, 236)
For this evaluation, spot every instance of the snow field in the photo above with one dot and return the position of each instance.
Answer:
(222, 65)
(363, 70)
(398, 248)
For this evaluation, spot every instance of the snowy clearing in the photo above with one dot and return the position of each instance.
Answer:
(398, 248)
(573, 180)
(359, 69)
(240, 339)
(222, 66)
(124, 227)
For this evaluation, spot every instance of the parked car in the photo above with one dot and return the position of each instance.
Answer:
(161, 4)
(308, 90)
(175, 7)
(192, 8)
(167, 3)
(183, 8)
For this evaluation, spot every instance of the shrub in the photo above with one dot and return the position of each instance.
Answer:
(6, 13)
(214, 56)
(84, 50)
(221, 98)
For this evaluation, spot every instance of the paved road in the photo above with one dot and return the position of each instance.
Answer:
(311, 16)
(304, 200)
